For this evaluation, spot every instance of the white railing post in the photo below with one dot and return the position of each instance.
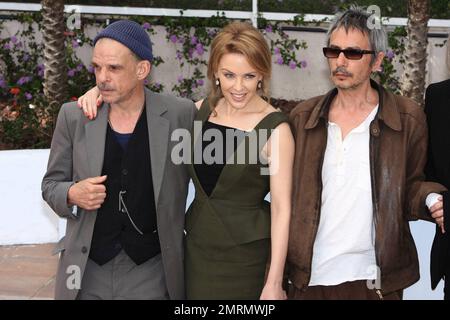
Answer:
(255, 13)
(158, 12)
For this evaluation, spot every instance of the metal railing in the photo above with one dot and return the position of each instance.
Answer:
(250, 15)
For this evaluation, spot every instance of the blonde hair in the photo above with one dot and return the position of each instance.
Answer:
(241, 38)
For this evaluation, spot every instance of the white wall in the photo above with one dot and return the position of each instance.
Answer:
(423, 233)
(24, 217)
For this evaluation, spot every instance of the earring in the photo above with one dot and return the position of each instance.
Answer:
(217, 82)
(259, 84)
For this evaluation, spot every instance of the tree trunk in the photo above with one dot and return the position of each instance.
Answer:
(413, 79)
(55, 74)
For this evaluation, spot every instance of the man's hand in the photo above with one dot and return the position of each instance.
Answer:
(88, 194)
(437, 212)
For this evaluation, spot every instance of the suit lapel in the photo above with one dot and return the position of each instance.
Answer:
(95, 141)
(158, 136)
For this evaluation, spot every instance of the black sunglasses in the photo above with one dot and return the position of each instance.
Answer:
(352, 54)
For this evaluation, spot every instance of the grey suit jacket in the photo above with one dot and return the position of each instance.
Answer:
(77, 152)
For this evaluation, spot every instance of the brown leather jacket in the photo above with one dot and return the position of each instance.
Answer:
(398, 148)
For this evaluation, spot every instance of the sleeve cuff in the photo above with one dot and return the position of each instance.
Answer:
(432, 199)
(64, 209)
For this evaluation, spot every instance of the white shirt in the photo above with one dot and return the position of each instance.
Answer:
(344, 247)
(431, 199)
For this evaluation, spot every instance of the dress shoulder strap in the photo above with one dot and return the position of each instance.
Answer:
(272, 120)
(204, 111)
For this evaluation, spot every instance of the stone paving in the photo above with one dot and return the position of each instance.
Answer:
(27, 272)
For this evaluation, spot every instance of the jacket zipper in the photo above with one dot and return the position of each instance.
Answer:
(380, 295)
(373, 153)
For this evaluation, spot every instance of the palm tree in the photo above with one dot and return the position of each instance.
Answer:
(413, 79)
(55, 75)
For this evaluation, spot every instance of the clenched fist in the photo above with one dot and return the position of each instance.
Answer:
(88, 194)
(437, 212)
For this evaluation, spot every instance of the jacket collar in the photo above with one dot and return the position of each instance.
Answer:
(387, 109)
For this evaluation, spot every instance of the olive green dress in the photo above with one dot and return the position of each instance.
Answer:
(228, 232)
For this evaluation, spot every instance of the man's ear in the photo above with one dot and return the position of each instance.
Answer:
(376, 66)
(143, 69)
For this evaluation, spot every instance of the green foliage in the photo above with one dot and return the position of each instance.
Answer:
(25, 119)
(396, 42)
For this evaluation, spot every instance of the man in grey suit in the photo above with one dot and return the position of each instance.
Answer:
(114, 181)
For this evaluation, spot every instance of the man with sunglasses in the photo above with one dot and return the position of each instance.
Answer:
(358, 172)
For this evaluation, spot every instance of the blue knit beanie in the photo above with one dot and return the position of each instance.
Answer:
(131, 35)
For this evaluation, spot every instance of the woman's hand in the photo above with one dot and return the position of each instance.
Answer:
(90, 102)
(273, 292)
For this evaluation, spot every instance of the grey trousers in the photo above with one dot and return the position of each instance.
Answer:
(122, 279)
